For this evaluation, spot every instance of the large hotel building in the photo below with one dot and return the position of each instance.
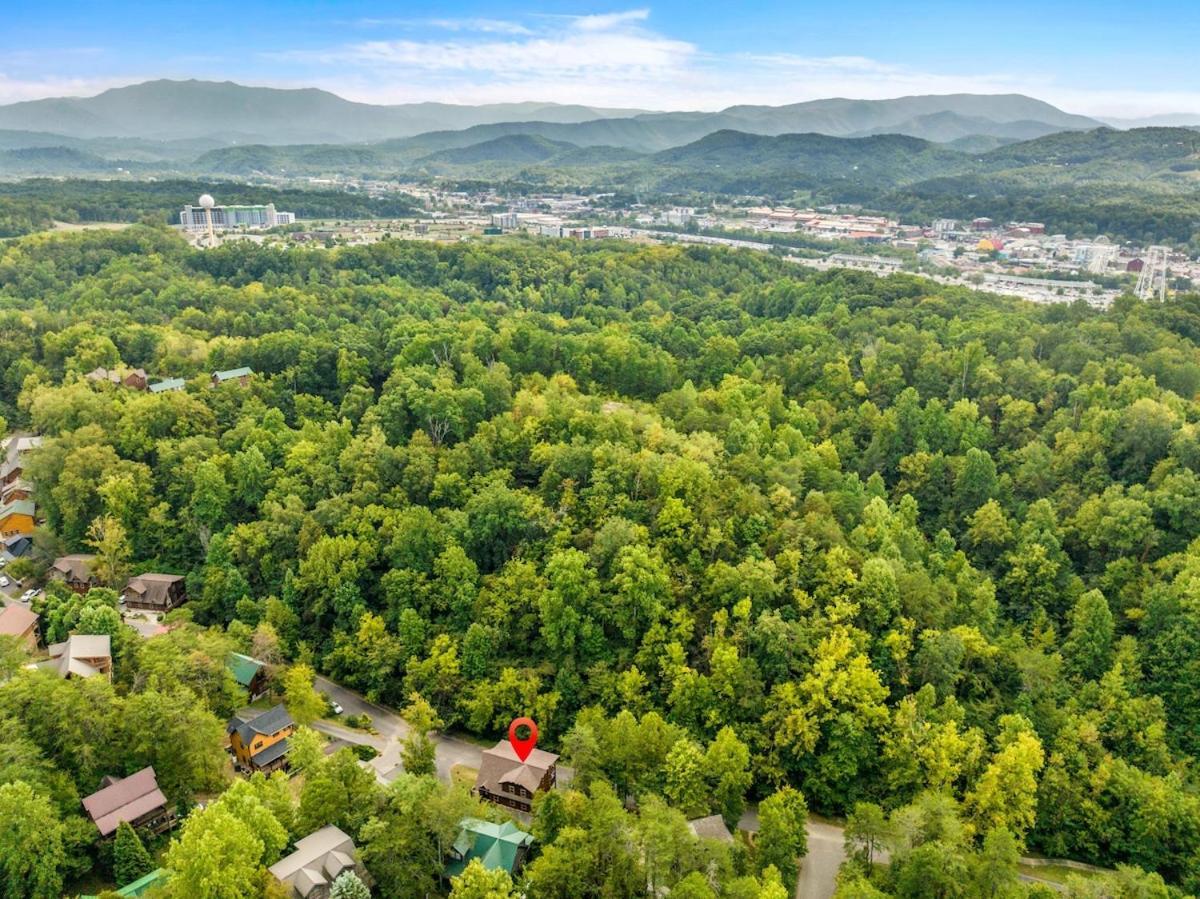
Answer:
(227, 218)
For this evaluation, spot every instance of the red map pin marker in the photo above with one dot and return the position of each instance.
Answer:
(522, 747)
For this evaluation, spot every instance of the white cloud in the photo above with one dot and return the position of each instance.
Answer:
(568, 58)
(470, 25)
(609, 21)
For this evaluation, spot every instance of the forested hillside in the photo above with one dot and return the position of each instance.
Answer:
(727, 528)
(31, 205)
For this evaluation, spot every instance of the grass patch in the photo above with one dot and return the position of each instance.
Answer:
(463, 775)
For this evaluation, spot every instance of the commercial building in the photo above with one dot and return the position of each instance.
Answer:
(231, 218)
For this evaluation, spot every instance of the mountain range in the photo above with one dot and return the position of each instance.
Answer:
(226, 113)
(1008, 156)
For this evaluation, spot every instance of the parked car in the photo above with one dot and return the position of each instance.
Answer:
(4, 582)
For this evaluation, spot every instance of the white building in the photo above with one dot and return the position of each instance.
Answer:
(226, 218)
(679, 215)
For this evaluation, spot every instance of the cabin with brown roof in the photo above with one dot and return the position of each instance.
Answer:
(505, 780)
(261, 743)
(135, 799)
(155, 592)
(81, 655)
(14, 456)
(75, 571)
(17, 621)
(135, 378)
(711, 828)
(16, 490)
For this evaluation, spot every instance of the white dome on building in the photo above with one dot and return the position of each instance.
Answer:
(207, 201)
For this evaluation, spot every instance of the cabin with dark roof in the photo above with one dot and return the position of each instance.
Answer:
(75, 571)
(155, 592)
(261, 743)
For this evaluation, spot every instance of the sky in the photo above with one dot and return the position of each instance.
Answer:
(1103, 57)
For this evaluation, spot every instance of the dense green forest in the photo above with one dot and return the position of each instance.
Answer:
(31, 205)
(730, 530)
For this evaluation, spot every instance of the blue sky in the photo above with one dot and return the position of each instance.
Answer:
(1103, 57)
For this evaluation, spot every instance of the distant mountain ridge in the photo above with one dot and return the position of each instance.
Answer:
(171, 110)
(232, 114)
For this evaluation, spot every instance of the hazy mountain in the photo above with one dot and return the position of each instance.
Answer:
(520, 149)
(946, 127)
(852, 169)
(1171, 120)
(235, 114)
(842, 117)
(978, 143)
(1138, 185)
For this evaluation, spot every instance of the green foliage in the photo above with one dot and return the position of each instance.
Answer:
(130, 858)
(477, 882)
(349, 886)
(31, 844)
(722, 526)
(303, 702)
(338, 791)
(782, 839)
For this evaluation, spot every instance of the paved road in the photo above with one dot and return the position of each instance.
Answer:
(392, 729)
(819, 868)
